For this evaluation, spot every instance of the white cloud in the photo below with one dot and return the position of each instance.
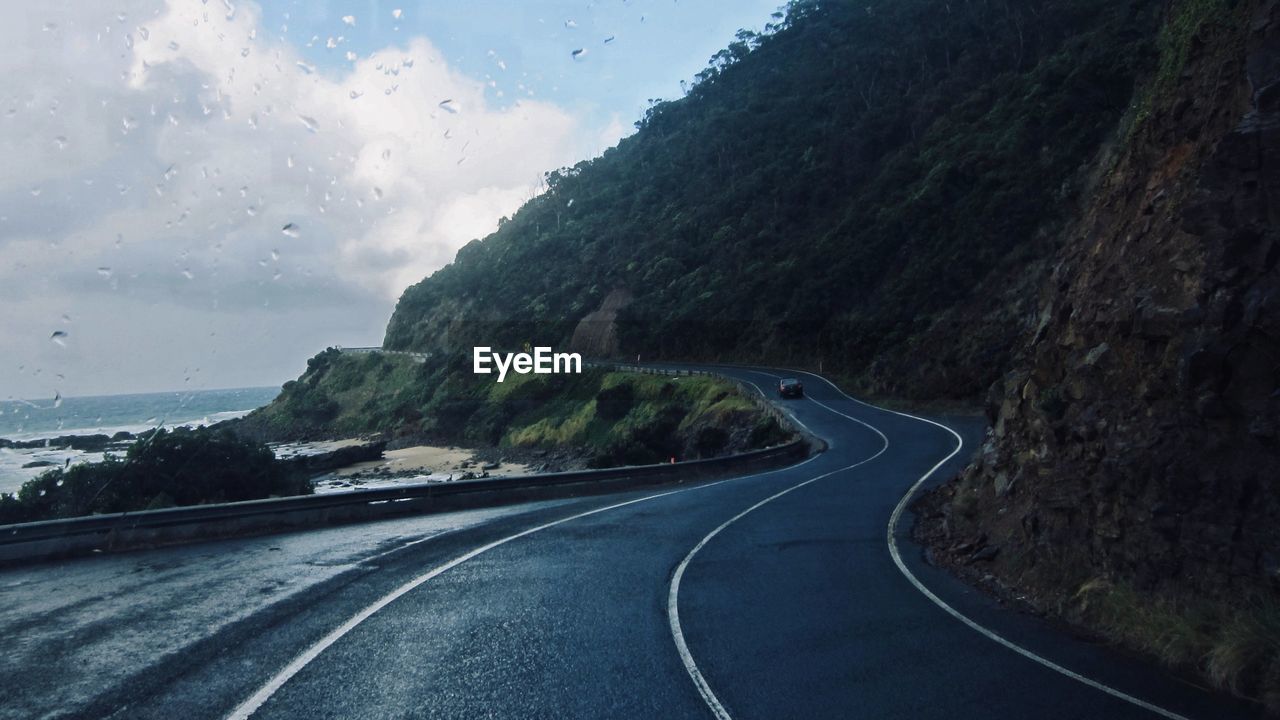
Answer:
(155, 151)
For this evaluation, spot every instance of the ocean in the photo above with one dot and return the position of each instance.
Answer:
(109, 414)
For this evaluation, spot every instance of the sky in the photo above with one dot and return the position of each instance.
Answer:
(202, 194)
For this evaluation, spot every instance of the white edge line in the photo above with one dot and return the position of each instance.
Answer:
(989, 634)
(247, 708)
(673, 594)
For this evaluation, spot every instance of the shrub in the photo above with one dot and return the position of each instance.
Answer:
(710, 441)
(613, 403)
(767, 432)
(162, 469)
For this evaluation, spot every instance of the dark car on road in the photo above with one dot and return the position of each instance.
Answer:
(790, 388)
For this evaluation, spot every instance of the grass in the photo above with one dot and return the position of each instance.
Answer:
(612, 417)
(697, 401)
(1174, 45)
(1247, 652)
(1233, 645)
(555, 431)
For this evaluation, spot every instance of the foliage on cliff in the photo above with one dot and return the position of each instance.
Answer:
(1130, 479)
(608, 418)
(824, 192)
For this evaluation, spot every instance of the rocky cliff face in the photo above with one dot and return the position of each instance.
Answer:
(596, 335)
(1134, 444)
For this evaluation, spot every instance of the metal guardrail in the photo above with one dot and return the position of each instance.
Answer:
(148, 528)
(415, 356)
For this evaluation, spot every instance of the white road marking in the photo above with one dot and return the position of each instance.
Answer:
(673, 593)
(985, 632)
(264, 693)
(247, 708)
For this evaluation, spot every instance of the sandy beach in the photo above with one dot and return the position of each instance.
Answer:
(413, 465)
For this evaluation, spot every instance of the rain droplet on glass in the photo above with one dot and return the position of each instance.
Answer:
(292, 230)
(59, 337)
(310, 123)
(397, 13)
(349, 20)
(577, 54)
(449, 106)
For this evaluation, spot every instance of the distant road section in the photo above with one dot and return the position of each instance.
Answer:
(417, 357)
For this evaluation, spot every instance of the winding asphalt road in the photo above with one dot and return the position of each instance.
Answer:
(788, 594)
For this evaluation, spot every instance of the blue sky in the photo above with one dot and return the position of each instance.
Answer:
(655, 43)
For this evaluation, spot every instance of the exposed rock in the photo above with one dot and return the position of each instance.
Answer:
(335, 459)
(1174, 406)
(1135, 440)
(596, 335)
(987, 553)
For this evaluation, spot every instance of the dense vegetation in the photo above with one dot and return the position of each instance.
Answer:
(164, 468)
(610, 418)
(821, 194)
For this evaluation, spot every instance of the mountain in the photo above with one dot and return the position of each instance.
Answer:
(869, 187)
(1064, 210)
(1131, 480)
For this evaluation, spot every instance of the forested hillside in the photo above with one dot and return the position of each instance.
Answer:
(846, 189)
(1064, 207)
(1130, 478)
